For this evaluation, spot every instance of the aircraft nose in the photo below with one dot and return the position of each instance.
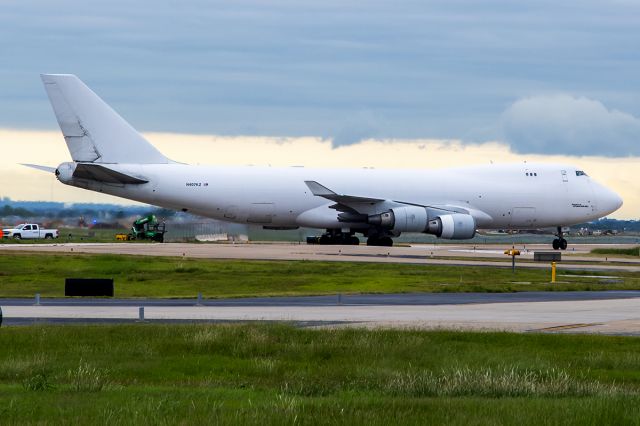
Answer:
(617, 202)
(610, 201)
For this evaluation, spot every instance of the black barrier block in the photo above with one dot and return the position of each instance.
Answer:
(88, 287)
(547, 256)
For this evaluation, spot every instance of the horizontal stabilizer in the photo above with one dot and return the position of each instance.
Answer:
(42, 168)
(104, 174)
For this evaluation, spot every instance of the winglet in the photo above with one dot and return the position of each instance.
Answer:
(324, 192)
(38, 167)
(319, 190)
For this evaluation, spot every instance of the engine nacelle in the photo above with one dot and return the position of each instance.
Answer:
(455, 226)
(402, 219)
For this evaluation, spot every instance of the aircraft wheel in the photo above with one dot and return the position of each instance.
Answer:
(354, 241)
(380, 241)
(556, 244)
(563, 244)
(386, 242)
(324, 240)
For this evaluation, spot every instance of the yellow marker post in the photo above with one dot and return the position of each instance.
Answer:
(513, 253)
(553, 272)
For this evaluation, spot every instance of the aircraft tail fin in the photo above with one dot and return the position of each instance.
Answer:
(94, 132)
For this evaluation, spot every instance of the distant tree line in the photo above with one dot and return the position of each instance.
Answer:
(88, 211)
(611, 224)
(17, 211)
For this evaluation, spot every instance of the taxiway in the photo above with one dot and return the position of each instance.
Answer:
(577, 257)
(608, 312)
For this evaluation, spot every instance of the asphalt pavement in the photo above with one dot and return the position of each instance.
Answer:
(427, 299)
(608, 312)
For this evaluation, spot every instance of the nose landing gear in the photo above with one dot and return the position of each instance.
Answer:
(559, 243)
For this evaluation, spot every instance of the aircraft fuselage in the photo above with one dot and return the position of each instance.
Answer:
(514, 196)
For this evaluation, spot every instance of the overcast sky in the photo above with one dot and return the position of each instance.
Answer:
(544, 77)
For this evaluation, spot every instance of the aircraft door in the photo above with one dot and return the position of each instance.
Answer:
(561, 190)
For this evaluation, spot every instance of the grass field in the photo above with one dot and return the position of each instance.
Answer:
(278, 374)
(23, 275)
(634, 251)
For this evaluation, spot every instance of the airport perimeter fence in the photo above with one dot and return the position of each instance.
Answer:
(204, 231)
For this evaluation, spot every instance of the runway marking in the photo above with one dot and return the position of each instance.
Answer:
(567, 327)
(604, 277)
(483, 251)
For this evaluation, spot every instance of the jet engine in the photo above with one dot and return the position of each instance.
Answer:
(402, 219)
(454, 226)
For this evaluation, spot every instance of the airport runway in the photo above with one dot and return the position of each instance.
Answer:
(608, 312)
(401, 299)
(577, 257)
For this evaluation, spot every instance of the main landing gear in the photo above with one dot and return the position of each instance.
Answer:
(337, 237)
(559, 243)
(333, 237)
(380, 240)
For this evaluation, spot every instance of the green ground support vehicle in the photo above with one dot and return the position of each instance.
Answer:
(148, 228)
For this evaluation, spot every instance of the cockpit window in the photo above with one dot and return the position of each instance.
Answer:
(580, 173)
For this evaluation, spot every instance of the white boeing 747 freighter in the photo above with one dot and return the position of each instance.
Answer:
(111, 157)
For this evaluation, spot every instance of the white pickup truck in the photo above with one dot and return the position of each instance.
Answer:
(29, 231)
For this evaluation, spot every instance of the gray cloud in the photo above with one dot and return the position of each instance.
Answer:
(349, 136)
(422, 69)
(354, 129)
(564, 124)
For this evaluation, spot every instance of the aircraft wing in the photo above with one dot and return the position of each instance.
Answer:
(355, 205)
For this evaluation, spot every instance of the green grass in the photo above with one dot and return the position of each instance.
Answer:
(76, 235)
(633, 251)
(275, 374)
(23, 275)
